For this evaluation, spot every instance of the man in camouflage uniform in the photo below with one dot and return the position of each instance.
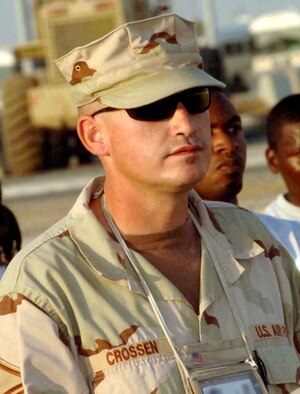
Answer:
(78, 305)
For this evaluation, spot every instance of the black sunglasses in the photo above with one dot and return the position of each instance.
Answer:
(195, 101)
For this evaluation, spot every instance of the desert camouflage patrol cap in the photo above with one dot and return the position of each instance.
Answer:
(137, 64)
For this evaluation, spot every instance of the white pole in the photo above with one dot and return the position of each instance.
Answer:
(20, 20)
(191, 10)
(210, 23)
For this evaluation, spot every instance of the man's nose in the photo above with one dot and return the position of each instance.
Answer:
(182, 122)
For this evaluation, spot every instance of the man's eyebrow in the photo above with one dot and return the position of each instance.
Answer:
(233, 119)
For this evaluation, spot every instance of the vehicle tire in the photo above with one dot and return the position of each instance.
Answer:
(22, 144)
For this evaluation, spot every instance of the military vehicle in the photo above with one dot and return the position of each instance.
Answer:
(38, 115)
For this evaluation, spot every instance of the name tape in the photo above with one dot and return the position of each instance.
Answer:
(120, 354)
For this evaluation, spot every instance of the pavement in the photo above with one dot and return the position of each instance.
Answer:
(74, 179)
(48, 182)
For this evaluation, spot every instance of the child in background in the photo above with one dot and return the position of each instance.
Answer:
(283, 156)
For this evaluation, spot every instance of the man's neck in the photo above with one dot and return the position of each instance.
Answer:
(292, 199)
(233, 200)
(145, 212)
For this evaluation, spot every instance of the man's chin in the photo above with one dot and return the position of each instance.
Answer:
(228, 193)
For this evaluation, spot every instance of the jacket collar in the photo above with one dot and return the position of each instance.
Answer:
(101, 252)
(229, 253)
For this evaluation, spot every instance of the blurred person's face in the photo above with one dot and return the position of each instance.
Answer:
(286, 160)
(224, 178)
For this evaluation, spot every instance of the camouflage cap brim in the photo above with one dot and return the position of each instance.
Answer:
(148, 89)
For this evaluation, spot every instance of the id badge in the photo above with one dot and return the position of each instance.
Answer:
(237, 379)
(220, 368)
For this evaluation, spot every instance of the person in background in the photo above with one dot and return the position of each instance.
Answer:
(10, 236)
(283, 155)
(141, 287)
(224, 178)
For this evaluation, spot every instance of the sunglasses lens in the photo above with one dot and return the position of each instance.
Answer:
(195, 102)
(156, 111)
(198, 102)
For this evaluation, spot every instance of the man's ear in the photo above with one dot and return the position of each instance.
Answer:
(92, 134)
(272, 160)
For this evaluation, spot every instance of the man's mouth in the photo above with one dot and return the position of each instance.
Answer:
(230, 165)
(186, 149)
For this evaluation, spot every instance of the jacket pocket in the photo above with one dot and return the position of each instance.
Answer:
(280, 360)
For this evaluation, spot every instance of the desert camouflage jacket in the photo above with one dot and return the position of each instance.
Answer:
(74, 317)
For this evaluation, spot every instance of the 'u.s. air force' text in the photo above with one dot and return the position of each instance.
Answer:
(268, 331)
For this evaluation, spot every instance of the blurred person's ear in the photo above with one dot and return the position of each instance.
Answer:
(93, 134)
(272, 160)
